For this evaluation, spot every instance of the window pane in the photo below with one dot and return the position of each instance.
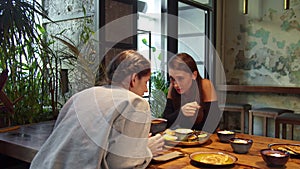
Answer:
(205, 2)
(191, 34)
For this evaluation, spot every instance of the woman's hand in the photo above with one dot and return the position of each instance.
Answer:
(155, 144)
(189, 109)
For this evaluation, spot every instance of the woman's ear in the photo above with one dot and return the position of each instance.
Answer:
(133, 79)
(195, 73)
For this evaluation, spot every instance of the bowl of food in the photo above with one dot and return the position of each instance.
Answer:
(241, 145)
(158, 125)
(212, 159)
(182, 134)
(225, 135)
(275, 157)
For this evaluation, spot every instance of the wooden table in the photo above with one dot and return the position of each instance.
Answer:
(25, 142)
(252, 159)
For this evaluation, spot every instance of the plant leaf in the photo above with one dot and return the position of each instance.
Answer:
(144, 40)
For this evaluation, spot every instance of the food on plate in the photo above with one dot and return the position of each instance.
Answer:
(216, 159)
(203, 135)
(294, 148)
(284, 149)
(169, 137)
(170, 132)
(192, 137)
(290, 148)
(189, 137)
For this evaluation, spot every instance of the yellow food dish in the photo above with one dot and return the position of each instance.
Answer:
(215, 159)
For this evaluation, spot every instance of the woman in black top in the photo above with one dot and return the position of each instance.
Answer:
(191, 101)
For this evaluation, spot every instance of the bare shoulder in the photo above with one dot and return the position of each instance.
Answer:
(206, 83)
(208, 90)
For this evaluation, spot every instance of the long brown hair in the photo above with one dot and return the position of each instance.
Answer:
(186, 63)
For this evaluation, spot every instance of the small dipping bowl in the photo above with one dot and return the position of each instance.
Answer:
(275, 157)
(158, 125)
(240, 145)
(225, 135)
(183, 133)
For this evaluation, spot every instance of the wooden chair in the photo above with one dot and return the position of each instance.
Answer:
(284, 119)
(241, 108)
(265, 113)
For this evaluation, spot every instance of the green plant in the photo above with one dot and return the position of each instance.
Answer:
(35, 61)
(159, 91)
(33, 66)
(159, 87)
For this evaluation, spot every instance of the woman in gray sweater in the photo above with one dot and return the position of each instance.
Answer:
(105, 126)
